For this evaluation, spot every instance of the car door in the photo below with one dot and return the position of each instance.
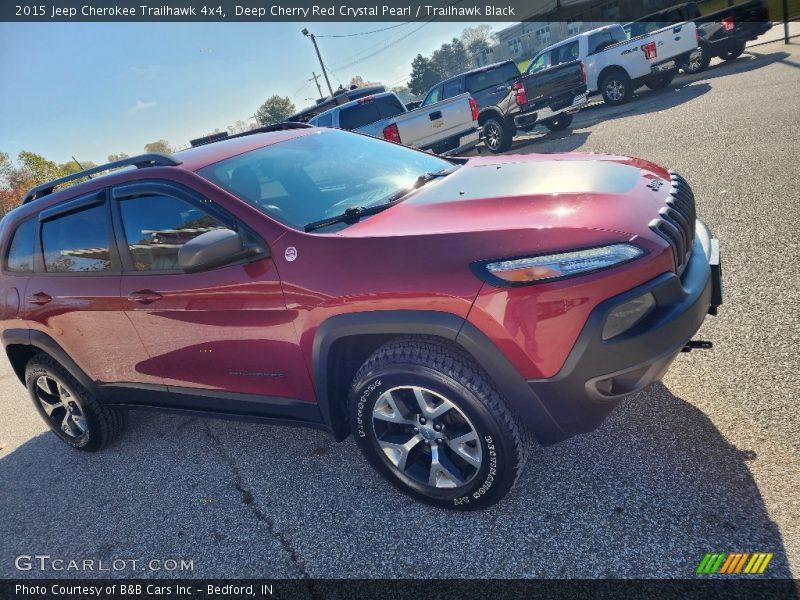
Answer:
(223, 333)
(73, 296)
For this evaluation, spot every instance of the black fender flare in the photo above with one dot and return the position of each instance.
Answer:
(522, 400)
(44, 343)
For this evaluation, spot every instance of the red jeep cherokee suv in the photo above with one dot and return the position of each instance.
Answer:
(436, 309)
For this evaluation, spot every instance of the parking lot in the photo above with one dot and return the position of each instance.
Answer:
(708, 460)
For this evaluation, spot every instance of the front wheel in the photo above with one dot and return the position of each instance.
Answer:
(69, 409)
(616, 88)
(559, 122)
(496, 135)
(660, 81)
(431, 422)
(733, 51)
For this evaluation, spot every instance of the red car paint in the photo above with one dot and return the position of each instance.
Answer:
(212, 330)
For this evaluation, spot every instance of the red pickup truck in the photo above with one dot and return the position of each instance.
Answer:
(436, 309)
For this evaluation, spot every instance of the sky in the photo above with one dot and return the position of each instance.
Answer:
(94, 89)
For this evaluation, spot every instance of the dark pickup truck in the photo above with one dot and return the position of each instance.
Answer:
(723, 33)
(509, 102)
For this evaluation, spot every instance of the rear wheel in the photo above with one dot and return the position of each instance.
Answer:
(699, 62)
(559, 122)
(660, 81)
(496, 135)
(71, 412)
(733, 51)
(616, 88)
(431, 422)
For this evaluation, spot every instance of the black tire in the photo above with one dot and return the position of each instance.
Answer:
(496, 136)
(616, 87)
(699, 63)
(660, 81)
(90, 426)
(559, 122)
(443, 374)
(733, 51)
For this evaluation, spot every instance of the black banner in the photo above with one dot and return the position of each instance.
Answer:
(326, 10)
(435, 589)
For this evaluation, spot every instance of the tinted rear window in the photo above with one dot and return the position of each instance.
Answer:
(368, 112)
(77, 242)
(492, 78)
(20, 251)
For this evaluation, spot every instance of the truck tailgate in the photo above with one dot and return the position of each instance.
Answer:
(426, 126)
(560, 83)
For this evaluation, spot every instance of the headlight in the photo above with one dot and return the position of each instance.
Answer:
(627, 314)
(549, 267)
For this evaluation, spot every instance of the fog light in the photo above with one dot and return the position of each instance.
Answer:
(626, 315)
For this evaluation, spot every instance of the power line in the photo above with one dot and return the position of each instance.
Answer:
(384, 48)
(347, 35)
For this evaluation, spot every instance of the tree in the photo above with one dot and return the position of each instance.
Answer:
(118, 156)
(358, 81)
(478, 41)
(159, 146)
(424, 75)
(275, 110)
(404, 94)
(240, 127)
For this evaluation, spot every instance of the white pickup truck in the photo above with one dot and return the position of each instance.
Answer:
(447, 127)
(616, 65)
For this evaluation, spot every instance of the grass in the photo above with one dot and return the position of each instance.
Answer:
(523, 64)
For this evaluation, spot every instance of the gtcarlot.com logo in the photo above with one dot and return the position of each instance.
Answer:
(734, 563)
(47, 563)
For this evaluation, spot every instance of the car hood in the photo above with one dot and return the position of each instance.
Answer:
(614, 194)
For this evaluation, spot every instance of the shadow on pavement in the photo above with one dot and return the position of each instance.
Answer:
(646, 495)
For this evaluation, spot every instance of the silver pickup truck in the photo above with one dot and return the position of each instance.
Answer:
(447, 127)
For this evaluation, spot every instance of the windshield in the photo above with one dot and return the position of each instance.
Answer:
(320, 175)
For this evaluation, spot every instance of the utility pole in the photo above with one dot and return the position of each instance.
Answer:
(319, 56)
(314, 79)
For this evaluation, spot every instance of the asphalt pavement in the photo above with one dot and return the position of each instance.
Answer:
(708, 460)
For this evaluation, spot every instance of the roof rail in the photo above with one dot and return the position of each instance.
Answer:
(152, 159)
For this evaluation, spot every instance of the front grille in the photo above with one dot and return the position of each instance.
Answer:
(676, 220)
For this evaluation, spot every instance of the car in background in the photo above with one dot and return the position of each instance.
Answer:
(448, 127)
(723, 33)
(509, 102)
(615, 65)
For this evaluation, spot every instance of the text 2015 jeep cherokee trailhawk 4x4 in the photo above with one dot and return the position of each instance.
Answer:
(435, 309)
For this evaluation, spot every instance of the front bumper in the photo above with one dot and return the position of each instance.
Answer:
(598, 373)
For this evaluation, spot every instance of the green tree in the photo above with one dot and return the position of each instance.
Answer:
(158, 146)
(116, 157)
(424, 75)
(275, 110)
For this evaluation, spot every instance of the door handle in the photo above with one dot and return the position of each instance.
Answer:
(144, 296)
(435, 115)
(39, 298)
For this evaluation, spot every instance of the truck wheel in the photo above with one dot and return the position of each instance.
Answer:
(660, 81)
(616, 88)
(733, 51)
(559, 122)
(432, 422)
(698, 63)
(71, 412)
(496, 135)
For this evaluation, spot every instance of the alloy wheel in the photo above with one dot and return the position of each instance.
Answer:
(492, 133)
(615, 90)
(695, 64)
(426, 437)
(61, 406)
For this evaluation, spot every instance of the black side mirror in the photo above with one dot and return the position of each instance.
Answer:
(212, 249)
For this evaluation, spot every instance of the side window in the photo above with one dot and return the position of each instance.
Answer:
(156, 226)
(433, 96)
(568, 53)
(600, 41)
(451, 88)
(543, 61)
(20, 251)
(77, 242)
(325, 120)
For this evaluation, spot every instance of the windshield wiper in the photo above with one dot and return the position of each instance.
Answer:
(354, 213)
